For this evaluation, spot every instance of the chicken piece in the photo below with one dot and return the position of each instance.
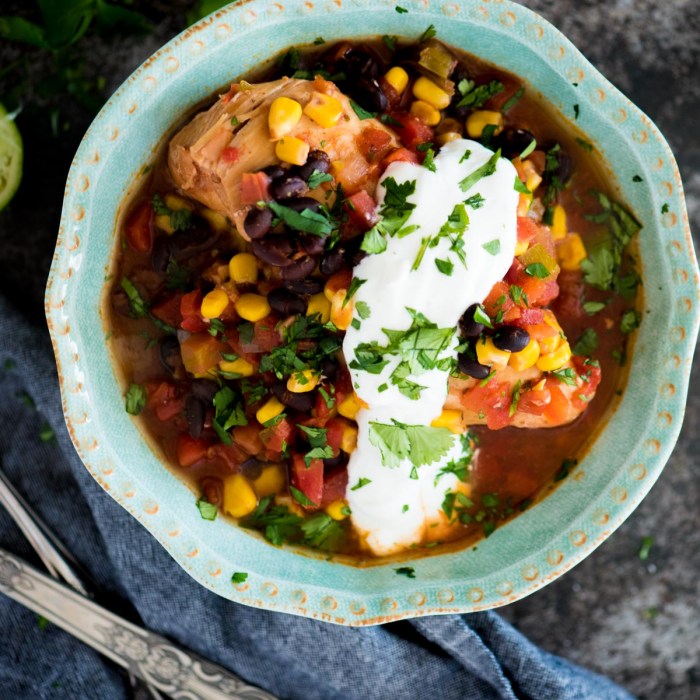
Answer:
(208, 156)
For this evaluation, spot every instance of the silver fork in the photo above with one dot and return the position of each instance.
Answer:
(59, 562)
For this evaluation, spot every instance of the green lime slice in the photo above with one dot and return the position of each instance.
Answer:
(10, 158)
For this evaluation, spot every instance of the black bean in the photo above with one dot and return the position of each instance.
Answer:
(332, 261)
(160, 256)
(317, 160)
(513, 142)
(335, 462)
(299, 269)
(286, 302)
(470, 328)
(274, 251)
(195, 410)
(252, 467)
(313, 245)
(359, 61)
(204, 389)
(511, 338)
(274, 171)
(468, 365)
(330, 367)
(370, 95)
(169, 351)
(354, 255)
(564, 165)
(300, 204)
(185, 244)
(299, 402)
(257, 223)
(288, 186)
(308, 286)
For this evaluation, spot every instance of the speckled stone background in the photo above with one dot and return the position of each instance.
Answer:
(636, 621)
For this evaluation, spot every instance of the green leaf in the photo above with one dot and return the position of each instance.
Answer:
(567, 375)
(360, 483)
(630, 321)
(207, 510)
(136, 302)
(519, 186)
(528, 149)
(373, 242)
(598, 268)
(355, 284)
(429, 33)
(480, 316)
(390, 42)
(401, 10)
(474, 96)
(476, 201)
(492, 247)
(317, 178)
(428, 161)
(307, 220)
(135, 399)
(587, 343)
(407, 571)
(445, 266)
(239, 577)
(537, 269)
(566, 466)
(419, 443)
(647, 543)
(361, 113)
(363, 310)
(301, 498)
(593, 307)
(65, 21)
(322, 532)
(22, 30)
(513, 100)
(486, 170)
(318, 437)
(584, 144)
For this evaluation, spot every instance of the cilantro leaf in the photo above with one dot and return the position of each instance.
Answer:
(486, 170)
(407, 571)
(207, 510)
(474, 96)
(360, 483)
(301, 497)
(239, 577)
(135, 399)
(308, 221)
(587, 343)
(360, 112)
(317, 177)
(630, 321)
(445, 266)
(429, 33)
(421, 444)
(363, 310)
(492, 247)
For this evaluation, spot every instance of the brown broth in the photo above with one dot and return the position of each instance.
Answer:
(519, 465)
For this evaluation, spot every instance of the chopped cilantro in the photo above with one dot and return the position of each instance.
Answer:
(566, 375)
(593, 307)
(637, 178)
(517, 294)
(492, 247)
(584, 144)
(228, 412)
(316, 178)
(180, 219)
(480, 316)
(355, 284)
(136, 302)
(428, 161)
(513, 100)
(587, 343)
(537, 269)
(360, 483)
(394, 211)
(465, 156)
(453, 229)
(239, 577)
(207, 510)
(664, 208)
(363, 310)
(476, 201)
(360, 112)
(308, 221)
(135, 399)
(566, 466)
(407, 571)
(577, 111)
(528, 149)
(319, 41)
(630, 321)
(647, 543)
(445, 266)
(474, 96)
(405, 508)
(234, 121)
(390, 42)
(487, 169)
(519, 186)
(401, 10)
(420, 444)
(301, 497)
(429, 33)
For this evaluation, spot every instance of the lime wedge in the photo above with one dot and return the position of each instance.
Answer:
(10, 158)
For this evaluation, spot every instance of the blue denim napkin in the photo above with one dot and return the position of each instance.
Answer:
(456, 656)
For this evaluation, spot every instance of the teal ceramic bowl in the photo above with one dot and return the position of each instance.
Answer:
(520, 557)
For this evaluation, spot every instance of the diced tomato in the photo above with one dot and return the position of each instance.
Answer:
(190, 306)
(201, 353)
(557, 410)
(168, 310)
(493, 400)
(190, 450)
(334, 436)
(402, 155)
(374, 144)
(340, 280)
(139, 228)
(265, 336)
(277, 437)
(334, 486)
(163, 400)
(534, 402)
(230, 154)
(247, 437)
(529, 317)
(411, 131)
(527, 229)
(540, 292)
(322, 412)
(228, 456)
(499, 300)
(591, 375)
(571, 292)
(255, 188)
(361, 209)
(309, 480)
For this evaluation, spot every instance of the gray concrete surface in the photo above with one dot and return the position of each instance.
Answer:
(636, 621)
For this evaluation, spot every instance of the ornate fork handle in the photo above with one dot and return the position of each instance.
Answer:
(181, 674)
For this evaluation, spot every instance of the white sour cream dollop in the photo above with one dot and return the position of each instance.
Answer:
(392, 510)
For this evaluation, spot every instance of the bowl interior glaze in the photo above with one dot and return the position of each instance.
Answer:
(520, 557)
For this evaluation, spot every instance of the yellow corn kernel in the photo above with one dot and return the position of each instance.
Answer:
(450, 419)
(301, 382)
(425, 113)
(243, 268)
(526, 357)
(175, 203)
(338, 510)
(324, 109)
(479, 120)
(550, 344)
(524, 204)
(271, 480)
(448, 136)
(348, 441)
(218, 222)
(319, 304)
(532, 177)
(283, 116)
(571, 252)
(428, 91)
(214, 303)
(488, 354)
(239, 366)
(162, 222)
(283, 499)
(252, 307)
(269, 410)
(341, 316)
(350, 405)
(397, 77)
(558, 227)
(337, 167)
(555, 360)
(239, 498)
(521, 247)
(292, 150)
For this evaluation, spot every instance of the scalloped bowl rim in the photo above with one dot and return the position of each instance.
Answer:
(523, 555)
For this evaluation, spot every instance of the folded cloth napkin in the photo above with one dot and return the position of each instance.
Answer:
(455, 656)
